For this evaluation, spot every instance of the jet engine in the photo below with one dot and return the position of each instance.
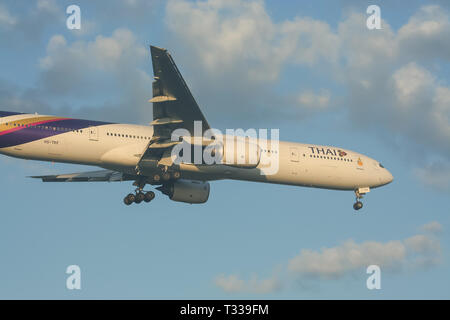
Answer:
(189, 191)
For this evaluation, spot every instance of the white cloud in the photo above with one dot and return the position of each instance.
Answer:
(6, 19)
(427, 33)
(418, 252)
(430, 21)
(351, 257)
(360, 49)
(234, 284)
(311, 100)
(238, 52)
(231, 36)
(104, 53)
(26, 27)
(95, 78)
(432, 227)
(441, 110)
(411, 83)
(389, 86)
(87, 67)
(48, 6)
(423, 244)
(400, 93)
(231, 283)
(425, 251)
(435, 175)
(338, 261)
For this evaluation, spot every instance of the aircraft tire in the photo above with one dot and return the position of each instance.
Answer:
(129, 199)
(139, 197)
(357, 205)
(149, 196)
(176, 175)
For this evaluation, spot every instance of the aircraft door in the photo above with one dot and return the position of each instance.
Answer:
(294, 155)
(93, 133)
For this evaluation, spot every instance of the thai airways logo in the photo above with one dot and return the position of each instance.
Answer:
(342, 153)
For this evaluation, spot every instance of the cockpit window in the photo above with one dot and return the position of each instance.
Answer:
(381, 165)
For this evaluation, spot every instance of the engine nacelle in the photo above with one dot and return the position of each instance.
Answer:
(189, 191)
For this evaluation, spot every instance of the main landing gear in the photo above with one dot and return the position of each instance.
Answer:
(138, 197)
(359, 193)
(139, 194)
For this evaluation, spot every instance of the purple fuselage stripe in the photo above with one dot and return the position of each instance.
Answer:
(9, 113)
(26, 135)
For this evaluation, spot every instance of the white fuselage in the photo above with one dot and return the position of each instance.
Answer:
(119, 147)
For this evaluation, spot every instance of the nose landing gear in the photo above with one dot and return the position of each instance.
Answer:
(359, 193)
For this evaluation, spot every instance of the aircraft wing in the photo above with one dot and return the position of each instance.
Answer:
(173, 104)
(174, 107)
(101, 175)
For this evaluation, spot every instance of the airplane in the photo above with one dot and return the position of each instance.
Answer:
(144, 153)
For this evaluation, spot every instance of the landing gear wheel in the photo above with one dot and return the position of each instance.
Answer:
(357, 205)
(156, 178)
(166, 176)
(139, 197)
(176, 175)
(129, 199)
(149, 196)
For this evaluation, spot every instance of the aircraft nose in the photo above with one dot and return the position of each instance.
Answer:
(388, 177)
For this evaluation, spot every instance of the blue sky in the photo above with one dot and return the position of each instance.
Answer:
(313, 70)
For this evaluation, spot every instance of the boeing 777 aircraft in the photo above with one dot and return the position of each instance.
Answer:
(143, 154)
